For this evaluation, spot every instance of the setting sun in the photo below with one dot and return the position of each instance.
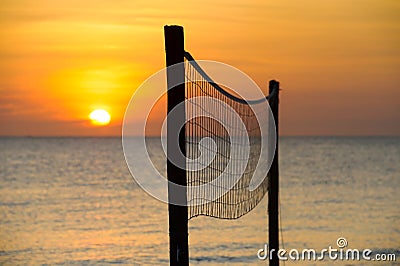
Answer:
(100, 117)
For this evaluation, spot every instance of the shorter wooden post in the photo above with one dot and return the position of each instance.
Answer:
(273, 190)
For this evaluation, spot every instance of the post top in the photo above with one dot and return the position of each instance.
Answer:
(173, 26)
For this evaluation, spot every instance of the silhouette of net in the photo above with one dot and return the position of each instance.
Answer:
(218, 185)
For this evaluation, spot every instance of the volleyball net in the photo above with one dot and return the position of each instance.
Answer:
(230, 143)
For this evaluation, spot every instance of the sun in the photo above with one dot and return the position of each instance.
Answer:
(100, 117)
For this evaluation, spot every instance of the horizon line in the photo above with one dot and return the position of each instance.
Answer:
(156, 136)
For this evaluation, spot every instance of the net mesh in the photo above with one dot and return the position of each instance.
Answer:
(218, 185)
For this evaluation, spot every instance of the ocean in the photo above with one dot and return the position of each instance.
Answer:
(72, 201)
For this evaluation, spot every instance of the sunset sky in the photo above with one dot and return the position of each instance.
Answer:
(338, 61)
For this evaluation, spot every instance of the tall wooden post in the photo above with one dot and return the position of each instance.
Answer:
(273, 191)
(178, 215)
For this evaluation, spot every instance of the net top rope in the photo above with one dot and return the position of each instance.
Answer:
(193, 62)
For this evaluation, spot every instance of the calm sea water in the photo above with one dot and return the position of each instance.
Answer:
(72, 201)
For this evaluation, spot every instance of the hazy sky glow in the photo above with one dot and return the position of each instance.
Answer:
(338, 61)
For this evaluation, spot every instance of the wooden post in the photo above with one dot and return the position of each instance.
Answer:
(178, 215)
(273, 190)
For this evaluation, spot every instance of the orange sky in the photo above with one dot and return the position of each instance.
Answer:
(338, 61)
